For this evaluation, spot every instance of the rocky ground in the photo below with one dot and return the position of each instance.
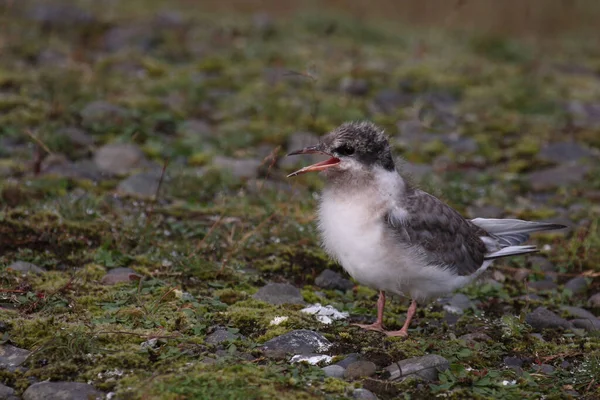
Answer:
(151, 247)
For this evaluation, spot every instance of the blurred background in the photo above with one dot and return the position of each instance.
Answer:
(143, 190)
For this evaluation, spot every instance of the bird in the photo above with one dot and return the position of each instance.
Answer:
(393, 237)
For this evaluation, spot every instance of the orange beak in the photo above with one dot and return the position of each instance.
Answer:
(320, 166)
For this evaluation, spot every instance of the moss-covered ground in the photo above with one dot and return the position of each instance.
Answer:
(208, 237)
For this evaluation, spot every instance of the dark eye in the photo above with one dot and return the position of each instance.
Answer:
(345, 150)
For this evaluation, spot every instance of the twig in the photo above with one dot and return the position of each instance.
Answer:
(214, 226)
(38, 141)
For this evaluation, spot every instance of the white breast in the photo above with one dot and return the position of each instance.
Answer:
(354, 233)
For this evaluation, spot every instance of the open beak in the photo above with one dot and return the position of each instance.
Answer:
(320, 166)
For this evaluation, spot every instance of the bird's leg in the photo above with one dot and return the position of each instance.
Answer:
(378, 325)
(409, 316)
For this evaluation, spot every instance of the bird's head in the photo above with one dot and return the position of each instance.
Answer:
(353, 148)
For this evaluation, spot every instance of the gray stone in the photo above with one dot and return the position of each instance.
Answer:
(120, 275)
(329, 279)
(542, 318)
(119, 158)
(301, 341)
(81, 169)
(360, 369)
(583, 115)
(62, 391)
(350, 358)
(298, 141)
(578, 312)
(564, 152)
(418, 171)
(4, 327)
(560, 176)
(142, 184)
(587, 324)
(543, 368)
(542, 285)
(101, 114)
(128, 37)
(355, 87)
(475, 337)
(279, 293)
(577, 285)
(594, 300)
(363, 394)
(195, 128)
(458, 303)
(513, 362)
(426, 367)
(60, 15)
(7, 393)
(531, 297)
(389, 101)
(334, 371)
(246, 168)
(26, 268)
(11, 356)
(542, 263)
(220, 335)
(76, 137)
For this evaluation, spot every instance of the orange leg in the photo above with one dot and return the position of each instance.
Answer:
(409, 316)
(378, 325)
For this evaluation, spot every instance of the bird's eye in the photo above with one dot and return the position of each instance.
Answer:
(345, 150)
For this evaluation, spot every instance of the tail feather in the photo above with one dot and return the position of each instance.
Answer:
(512, 232)
(511, 251)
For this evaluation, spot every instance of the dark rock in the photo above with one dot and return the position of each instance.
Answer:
(329, 279)
(11, 356)
(76, 137)
(451, 318)
(119, 158)
(589, 325)
(355, 87)
(363, 394)
(279, 293)
(542, 318)
(542, 285)
(240, 168)
(565, 364)
(562, 175)
(564, 152)
(543, 368)
(60, 15)
(531, 297)
(4, 327)
(333, 371)
(578, 312)
(360, 369)
(220, 335)
(350, 358)
(542, 263)
(425, 367)
(513, 362)
(475, 337)
(128, 37)
(119, 275)
(389, 101)
(143, 184)
(7, 393)
(62, 391)
(81, 169)
(300, 341)
(577, 285)
(100, 114)
(594, 300)
(26, 268)
(583, 115)
(195, 128)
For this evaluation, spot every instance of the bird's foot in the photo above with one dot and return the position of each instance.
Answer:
(377, 326)
(400, 333)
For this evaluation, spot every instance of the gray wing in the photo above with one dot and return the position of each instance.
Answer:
(439, 233)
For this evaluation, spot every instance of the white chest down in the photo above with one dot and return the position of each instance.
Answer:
(353, 231)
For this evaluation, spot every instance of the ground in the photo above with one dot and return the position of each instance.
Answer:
(138, 137)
